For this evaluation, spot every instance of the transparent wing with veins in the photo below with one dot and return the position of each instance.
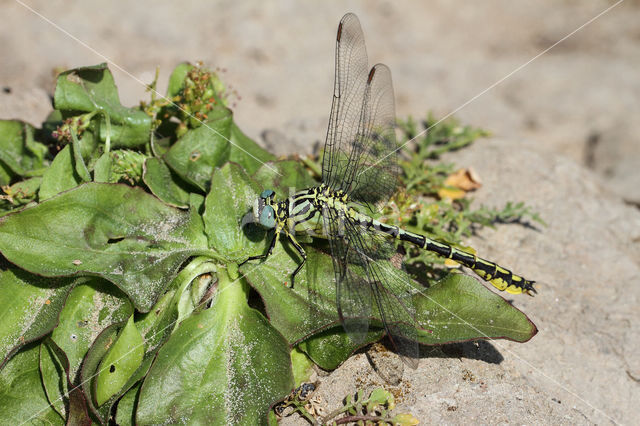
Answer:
(359, 154)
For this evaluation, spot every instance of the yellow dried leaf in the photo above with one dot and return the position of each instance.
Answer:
(465, 179)
(450, 193)
(459, 183)
(450, 263)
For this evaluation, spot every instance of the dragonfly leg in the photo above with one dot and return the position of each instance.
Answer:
(302, 253)
(274, 240)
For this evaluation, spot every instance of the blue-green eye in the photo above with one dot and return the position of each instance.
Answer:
(268, 217)
(266, 193)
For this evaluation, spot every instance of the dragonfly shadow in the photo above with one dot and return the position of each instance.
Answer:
(481, 350)
(254, 232)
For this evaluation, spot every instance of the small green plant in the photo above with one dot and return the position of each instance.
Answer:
(120, 288)
(434, 199)
(374, 409)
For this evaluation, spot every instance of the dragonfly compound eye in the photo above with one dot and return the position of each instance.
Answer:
(268, 217)
(266, 193)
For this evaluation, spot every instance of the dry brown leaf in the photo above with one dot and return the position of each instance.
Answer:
(459, 183)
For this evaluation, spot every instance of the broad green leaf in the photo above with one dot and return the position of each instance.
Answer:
(198, 269)
(301, 366)
(5, 174)
(194, 156)
(224, 365)
(114, 231)
(156, 325)
(126, 409)
(92, 306)
(232, 195)
(22, 398)
(246, 152)
(122, 360)
(54, 370)
(164, 184)
(18, 149)
(304, 312)
(102, 168)
(96, 353)
(29, 308)
(92, 88)
(309, 306)
(330, 348)
(460, 308)
(284, 177)
(54, 377)
(62, 174)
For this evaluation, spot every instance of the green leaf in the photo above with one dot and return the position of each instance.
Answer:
(5, 174)
(301, 366)
(176, 79)
(126, 410)
(30, 306)
(18, 149)
(96, 353)
(330, 348)
(92, 306)
(92, 88)
(284, 177)
(309, 306)
(164, 184)
(460, 308)
(80, 166)
(246, 152)
(54, 370)
(114, 231)
(122, 360)
(224, 365)
(194, 156)
(306, 314)
(54, 377)
(62, 174)
(22, 398)
(102, 168)
(232, 195)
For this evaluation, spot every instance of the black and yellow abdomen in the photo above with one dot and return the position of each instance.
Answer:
(501, 278)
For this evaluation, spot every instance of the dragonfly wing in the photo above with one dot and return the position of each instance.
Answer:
(359, 156)
(367, 282)
(353, 293)
(373, 173)
(392, 294)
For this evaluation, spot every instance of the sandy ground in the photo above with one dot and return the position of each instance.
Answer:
(567, 141)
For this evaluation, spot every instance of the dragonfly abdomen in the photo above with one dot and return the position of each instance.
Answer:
(501, 278)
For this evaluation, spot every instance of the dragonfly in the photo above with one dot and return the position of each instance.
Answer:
(360, 171)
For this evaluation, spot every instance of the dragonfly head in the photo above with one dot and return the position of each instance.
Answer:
(263, 212)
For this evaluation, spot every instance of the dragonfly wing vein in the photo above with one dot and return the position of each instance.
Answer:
(353, 293)
(359, 155)
(392, 294)
(367, 285)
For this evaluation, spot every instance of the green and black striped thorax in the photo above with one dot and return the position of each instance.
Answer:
(303, 206)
